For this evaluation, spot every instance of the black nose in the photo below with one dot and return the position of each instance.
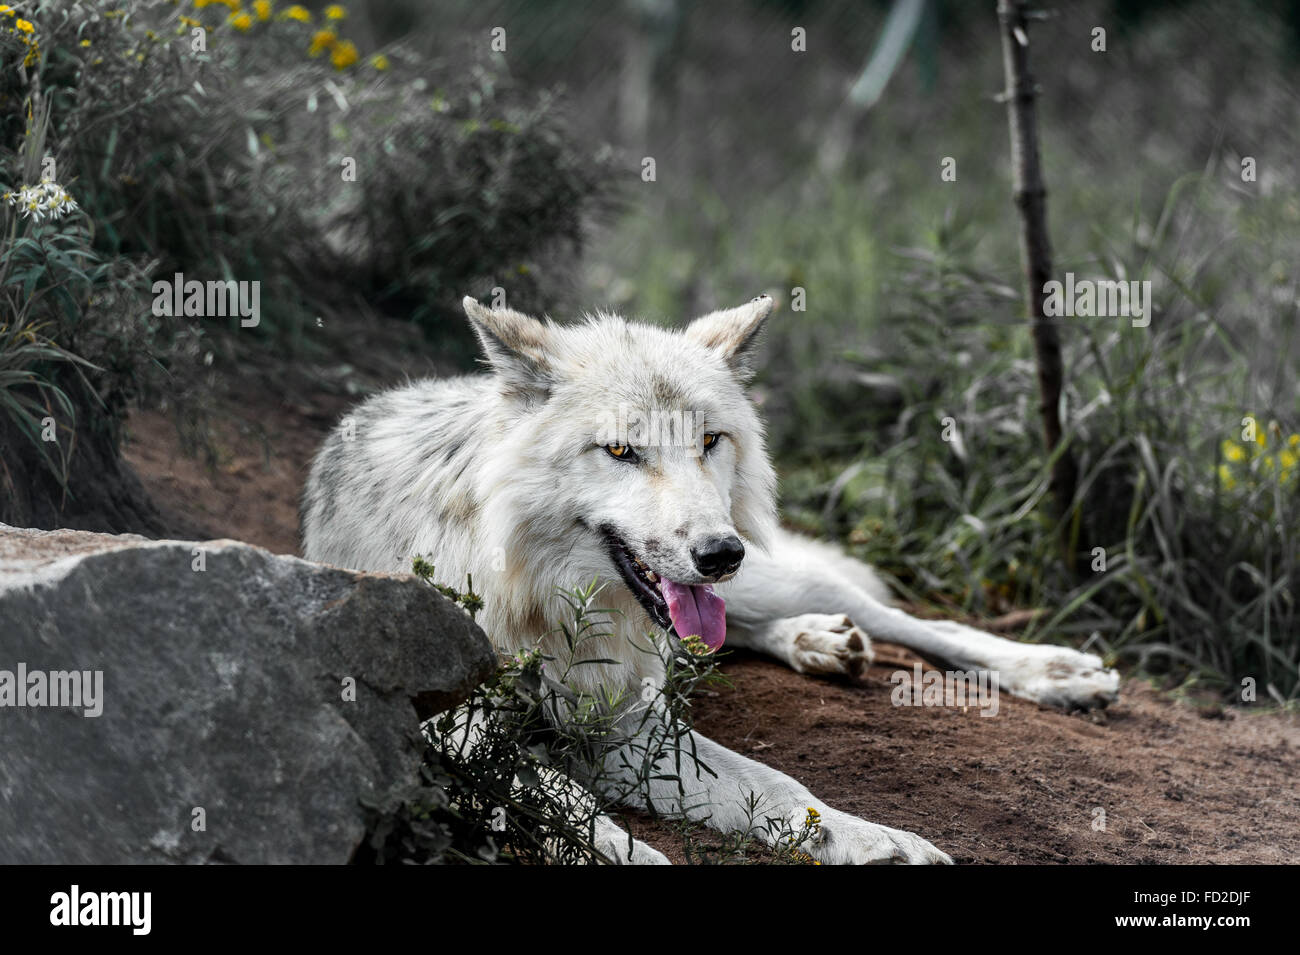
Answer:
(718, 556)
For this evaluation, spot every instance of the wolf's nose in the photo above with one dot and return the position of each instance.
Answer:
(718, 556)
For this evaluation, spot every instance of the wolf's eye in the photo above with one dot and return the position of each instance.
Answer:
(710, 439)
(621, 451)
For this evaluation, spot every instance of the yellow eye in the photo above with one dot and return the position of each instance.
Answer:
(621, 451)
(710, 440)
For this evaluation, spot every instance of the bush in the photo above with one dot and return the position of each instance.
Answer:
(520, 772)
(266, 147)
(1182, 557)
(517, 774)
(217, 141)
(72, 349)
(464, 187)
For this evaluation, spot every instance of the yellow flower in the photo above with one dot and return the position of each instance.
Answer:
(23, 26)
(380, 62)
(241, 22)
(1293, 441)
(200, 4)
(335, 12)
(263, 9)
(1233, 451)
(1226, 478)
(344, 55)
(296, 12)
(85, 43)
(322, 40)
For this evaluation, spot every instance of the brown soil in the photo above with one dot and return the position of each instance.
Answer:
(1179, 782)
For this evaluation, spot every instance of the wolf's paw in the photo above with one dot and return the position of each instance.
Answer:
(1054, 676)
(830, 643)
(1059, 676)
(641, 854)
(612, 843)
(847, 840)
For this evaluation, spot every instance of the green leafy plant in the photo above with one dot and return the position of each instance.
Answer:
(1185, 563)
(521, 771)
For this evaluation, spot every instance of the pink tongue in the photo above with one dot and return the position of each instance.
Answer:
(696, 611)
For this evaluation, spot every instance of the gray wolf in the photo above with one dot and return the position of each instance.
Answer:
(628, 452)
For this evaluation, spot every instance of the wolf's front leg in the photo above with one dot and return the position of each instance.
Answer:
(774, 596)
(824, 644)
(614, 845)
(609, 839)
(737, 794)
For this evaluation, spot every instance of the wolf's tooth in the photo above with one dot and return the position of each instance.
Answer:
(651, 576)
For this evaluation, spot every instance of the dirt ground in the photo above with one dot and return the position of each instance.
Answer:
(1177, 783)
(1173, 781)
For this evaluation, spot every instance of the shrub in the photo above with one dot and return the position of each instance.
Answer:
(519, 773)
(215, 140)
(1182, 557)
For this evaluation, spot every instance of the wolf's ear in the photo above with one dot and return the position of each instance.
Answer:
(516, 345)
(734, 332)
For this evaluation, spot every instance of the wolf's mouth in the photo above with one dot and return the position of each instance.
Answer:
(682, 609)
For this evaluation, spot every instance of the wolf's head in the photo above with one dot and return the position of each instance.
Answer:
(628, 452)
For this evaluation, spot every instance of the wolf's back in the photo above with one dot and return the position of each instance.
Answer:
(393, 474)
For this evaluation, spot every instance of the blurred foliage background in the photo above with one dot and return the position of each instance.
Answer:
(776, 170)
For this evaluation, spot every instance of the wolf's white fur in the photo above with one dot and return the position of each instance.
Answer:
(505, 476)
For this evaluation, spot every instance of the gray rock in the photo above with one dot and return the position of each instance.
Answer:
(222, 691)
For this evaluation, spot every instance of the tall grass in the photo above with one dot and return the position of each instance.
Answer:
(902, 401)
(1183, 556)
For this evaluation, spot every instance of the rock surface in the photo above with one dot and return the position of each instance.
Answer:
(223, 698)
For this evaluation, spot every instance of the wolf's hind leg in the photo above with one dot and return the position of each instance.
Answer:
(815, 643)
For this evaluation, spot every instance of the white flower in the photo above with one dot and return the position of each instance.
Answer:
(46, 199)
